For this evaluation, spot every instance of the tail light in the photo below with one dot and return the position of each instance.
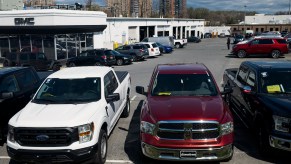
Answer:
(152, 50)
(141, 50)
(104, 57)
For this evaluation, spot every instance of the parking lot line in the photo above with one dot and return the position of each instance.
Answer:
(118, 161)
(133, 98)
(4, 157)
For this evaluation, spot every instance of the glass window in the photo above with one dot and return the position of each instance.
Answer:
(26, 79)
(69, 91)
(281, 41)
(274, 82)
(183, 85)
(137, 47)
(4, 50)
(24, 57)
(148, 46)
(242, 74)
(107, 85)
(9, 84)
(113, 80)
(266, 41)
(126, 47)
(251, 80)
(14, 43)
(155, 45)
(49, 48)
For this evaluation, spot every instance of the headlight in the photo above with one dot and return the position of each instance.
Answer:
(146, 127)
(86, 132)
(226, 128)
(281, 123)
(10, 135)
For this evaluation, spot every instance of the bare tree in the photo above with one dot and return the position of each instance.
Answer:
(89, 4)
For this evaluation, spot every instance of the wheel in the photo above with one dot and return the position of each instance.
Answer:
(275, 54)
(241, 54)
(177, 45)
(101, 154)
(126, 110)
(119, 62)
(134, 57)
(56, 67)
(97, 64)
(72, 64)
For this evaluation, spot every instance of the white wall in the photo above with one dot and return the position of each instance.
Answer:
(218, 29)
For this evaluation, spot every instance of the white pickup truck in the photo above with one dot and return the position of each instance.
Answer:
(70, 116)
(180, 43)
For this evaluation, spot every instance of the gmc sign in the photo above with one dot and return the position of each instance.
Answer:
(24, 21)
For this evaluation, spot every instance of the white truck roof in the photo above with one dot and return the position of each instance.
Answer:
(81, 72)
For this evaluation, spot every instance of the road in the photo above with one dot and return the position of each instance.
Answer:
(124, 141)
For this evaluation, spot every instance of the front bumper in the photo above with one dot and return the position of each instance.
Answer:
(280, 143)
(209, 154)
(53, 156)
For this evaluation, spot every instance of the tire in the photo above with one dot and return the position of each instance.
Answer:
(275, 54)
(177, 45)
(134, 57)
(119, 62)
(126, 110)
(72, 64)
(241, 54)
(101, 154)
(97, 64)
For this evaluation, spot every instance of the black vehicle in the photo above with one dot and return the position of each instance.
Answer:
(121, 59)
(161, 47)
(92, 57)
(17, 84)
(261, 98)
(207, 35)
(238, 38)
(38, 60)
(194, 39)
(137, 51)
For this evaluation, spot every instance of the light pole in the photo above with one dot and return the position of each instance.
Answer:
(289, 7)
(245, 19)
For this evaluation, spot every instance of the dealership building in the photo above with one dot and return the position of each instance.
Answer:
(61, 34)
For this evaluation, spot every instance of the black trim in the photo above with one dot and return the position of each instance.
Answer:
(51, 29)
(52, 156)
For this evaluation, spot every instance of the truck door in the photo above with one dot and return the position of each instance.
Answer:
(253, 47)
(110, 87)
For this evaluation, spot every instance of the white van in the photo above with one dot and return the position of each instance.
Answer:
(164, 40)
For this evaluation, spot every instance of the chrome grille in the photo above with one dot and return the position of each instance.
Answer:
(54, 136)
(186, 130)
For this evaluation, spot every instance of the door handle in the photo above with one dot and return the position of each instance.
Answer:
(106, 108)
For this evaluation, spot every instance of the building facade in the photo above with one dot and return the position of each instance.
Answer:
(10, 5)
(173, 8)
(134, 8)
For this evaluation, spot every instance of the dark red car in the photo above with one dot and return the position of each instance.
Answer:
(271, 46)
(184, 117)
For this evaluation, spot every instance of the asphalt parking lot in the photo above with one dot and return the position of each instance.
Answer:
(124, 141)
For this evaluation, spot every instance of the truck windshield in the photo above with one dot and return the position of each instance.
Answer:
(56, 90)
(184, 85)
(274, 82)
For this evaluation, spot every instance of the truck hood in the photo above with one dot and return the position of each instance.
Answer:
(186, 108)
(54, 115)
(279, 104)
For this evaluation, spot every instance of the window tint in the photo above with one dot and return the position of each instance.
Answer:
(137, 47)
(255, 42)
(251, 80)
(83, 54)
(242, 74)
(281, 41)
(41, 56)
(113, 80)
(126, 48)
(110, 83)
(9, 84)
(91, 53)
(98, 52)
(154, 45)
(24, 57)
(26, 78)
(266, 41)
(145, 40)
(12, 56)
(148, 46)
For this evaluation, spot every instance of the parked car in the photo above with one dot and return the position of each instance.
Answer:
(121, 59)
(207, 35)
(70, 117)
(261, 98)
(164, 40)
(222, 35)
(194, 39)
(288, 39)
(166, 49)
(272, 46)
(184, 117)
(153, 48)
(284, 33)
(95, 57)
(180, 43)
(137, 51)
(37, 60)
(17, 84)
(238, 38)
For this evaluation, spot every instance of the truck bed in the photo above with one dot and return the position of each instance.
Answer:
(121, 75)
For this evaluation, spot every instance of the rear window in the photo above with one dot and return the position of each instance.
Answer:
(154, 45)
(281, 41)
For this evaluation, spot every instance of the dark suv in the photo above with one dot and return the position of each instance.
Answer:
(38, 60)
(273, 46)
(137, 51)
(92, 57)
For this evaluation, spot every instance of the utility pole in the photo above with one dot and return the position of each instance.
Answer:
(245, 19)
(289, 7)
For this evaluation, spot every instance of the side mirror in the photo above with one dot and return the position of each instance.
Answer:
(140, 90)
(7, 95)
(113, 97)
(227, 90)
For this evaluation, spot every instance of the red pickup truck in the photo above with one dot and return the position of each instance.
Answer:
(184, 116)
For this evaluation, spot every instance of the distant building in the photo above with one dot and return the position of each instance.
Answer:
(10, 5)
(32, 3)
(145, 8)
(134, 8)
(173, 8)
(118, 7)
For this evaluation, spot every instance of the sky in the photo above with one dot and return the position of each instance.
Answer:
(260, 6)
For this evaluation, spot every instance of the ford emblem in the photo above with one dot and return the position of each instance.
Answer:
(42, 138)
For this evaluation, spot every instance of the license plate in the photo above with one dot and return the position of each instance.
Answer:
(188, 154)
